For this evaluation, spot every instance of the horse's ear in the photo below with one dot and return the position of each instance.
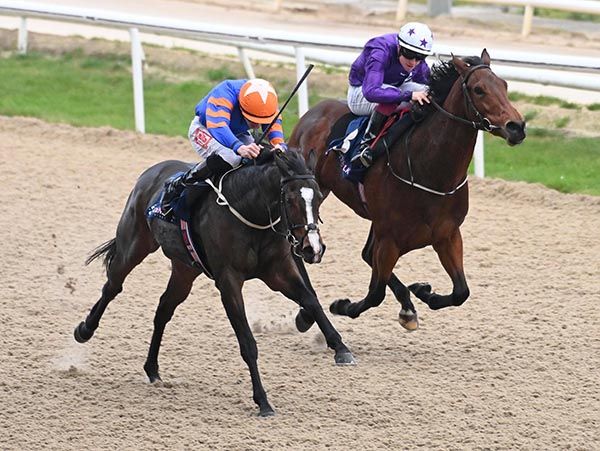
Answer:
(485, 57)
(460, 65)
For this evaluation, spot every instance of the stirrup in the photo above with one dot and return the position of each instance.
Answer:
(365, 157)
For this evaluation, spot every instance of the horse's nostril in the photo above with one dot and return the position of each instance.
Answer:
(515, 127)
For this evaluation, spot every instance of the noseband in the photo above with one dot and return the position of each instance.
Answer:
(308, 227)
(482, 123)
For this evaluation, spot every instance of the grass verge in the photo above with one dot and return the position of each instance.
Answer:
(96, 91)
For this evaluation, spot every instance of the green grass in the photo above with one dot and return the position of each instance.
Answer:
(567, 15)
(543, 100)
(86, 91)
(567, 165)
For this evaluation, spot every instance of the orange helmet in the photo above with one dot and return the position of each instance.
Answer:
(258, 101)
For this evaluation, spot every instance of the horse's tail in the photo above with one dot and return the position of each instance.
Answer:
(109, 248)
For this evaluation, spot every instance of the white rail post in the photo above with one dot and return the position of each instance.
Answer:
(478, 162)
(137, 54)
(302, 90)
(22, 39)
(527, 21)
(401, 11)
(246, 62)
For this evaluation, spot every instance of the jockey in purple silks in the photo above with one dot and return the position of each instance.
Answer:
(390, 73)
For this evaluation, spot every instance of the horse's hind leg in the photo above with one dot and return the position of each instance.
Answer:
(178, 289)
(126, 253)
(408, 314)
(230, 286)
(450, 253)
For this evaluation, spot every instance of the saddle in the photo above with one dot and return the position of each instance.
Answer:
(348, 131)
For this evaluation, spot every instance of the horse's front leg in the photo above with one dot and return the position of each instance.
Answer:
(288, 280)
(385, 256)
(450, 253)
(408, 314)
(230, 286)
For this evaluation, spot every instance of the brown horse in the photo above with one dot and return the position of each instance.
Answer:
(418, 195)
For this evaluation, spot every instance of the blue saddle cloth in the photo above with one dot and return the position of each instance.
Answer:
(349, 145)
(181, 205)
(180, 214)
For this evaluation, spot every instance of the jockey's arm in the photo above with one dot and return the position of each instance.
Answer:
(275, 136)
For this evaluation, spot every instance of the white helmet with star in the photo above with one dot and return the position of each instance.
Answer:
(417, 37)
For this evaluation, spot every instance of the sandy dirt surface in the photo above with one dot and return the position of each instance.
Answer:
(516, 367)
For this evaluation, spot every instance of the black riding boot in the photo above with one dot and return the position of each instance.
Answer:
(365, 153)
(213, 165)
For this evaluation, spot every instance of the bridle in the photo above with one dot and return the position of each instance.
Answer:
(482, 123)
(288, 234)
(308, 227)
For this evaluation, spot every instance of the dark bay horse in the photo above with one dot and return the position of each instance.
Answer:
(235, 252)
(417, 195)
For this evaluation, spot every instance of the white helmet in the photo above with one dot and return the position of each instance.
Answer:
(417, 37)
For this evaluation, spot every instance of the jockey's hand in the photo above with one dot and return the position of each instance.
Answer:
(249, 150)
(282, 146)
(420, 96)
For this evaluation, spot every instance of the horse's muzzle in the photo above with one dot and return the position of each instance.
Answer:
(514, 132)
(311, 252)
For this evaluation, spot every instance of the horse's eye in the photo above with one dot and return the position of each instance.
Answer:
(478, 91)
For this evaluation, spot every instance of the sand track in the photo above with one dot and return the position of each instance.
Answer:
(515, 367)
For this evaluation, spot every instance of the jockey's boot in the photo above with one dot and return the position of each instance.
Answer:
(174, 187)
(214, 165)
(365, 153)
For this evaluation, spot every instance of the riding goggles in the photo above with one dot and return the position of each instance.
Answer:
(411, 55)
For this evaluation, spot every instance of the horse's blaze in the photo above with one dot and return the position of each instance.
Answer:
(313, 236)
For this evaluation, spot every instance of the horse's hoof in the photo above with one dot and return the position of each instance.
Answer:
(420, 290)
(344, 358)
(266, 412)
(339, 307)
(409, 321)
(82, 333)
(152, 373)
(304, 320)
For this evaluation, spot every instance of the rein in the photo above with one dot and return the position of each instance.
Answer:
(222, 200)
(289, 236)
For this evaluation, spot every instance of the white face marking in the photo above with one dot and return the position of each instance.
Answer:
(313, 236)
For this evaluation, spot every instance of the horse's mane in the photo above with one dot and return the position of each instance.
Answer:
(265, 174)
(443, 76)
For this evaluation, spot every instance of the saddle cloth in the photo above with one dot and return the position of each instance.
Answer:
(344, 138)
(181, 215)
(347, 133)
